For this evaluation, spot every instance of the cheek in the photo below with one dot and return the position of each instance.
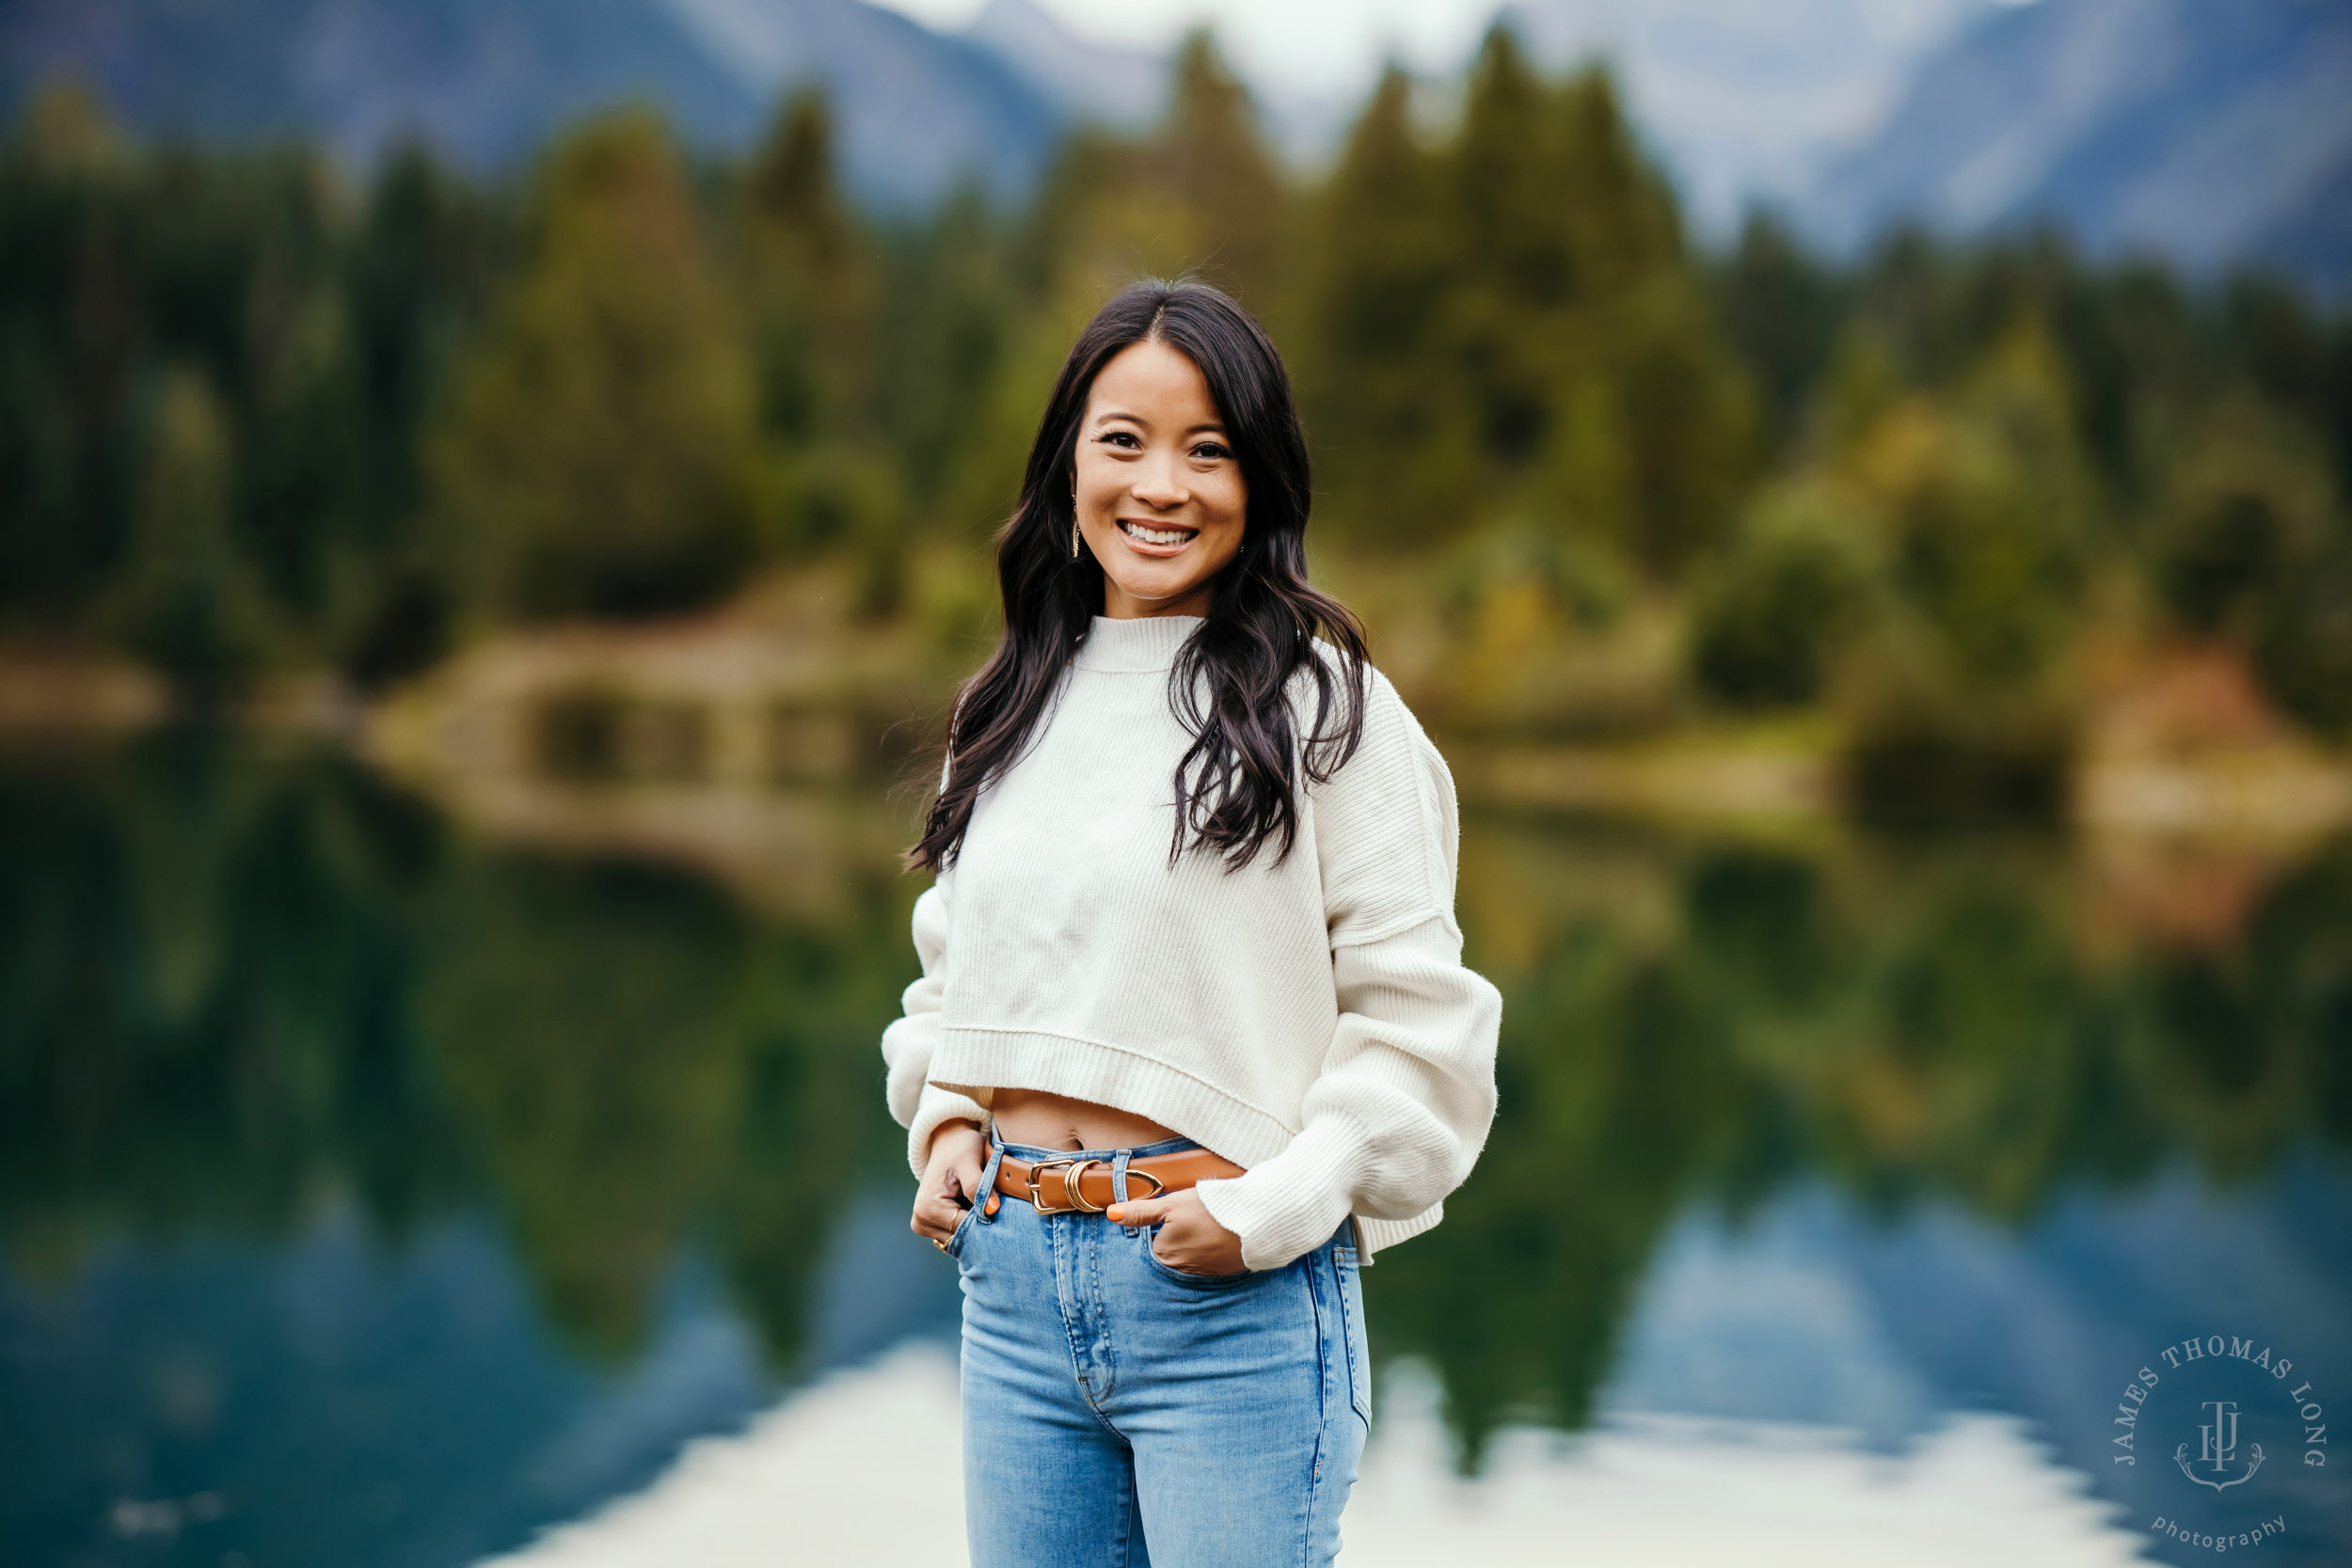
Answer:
(1231, 507)
(1099, 486)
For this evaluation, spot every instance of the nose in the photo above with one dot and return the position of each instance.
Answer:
(1159, 486)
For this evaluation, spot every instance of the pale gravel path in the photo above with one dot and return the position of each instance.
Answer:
(863, 1470)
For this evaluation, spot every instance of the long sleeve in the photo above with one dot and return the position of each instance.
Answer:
(909, 1042)
(1401, 1105)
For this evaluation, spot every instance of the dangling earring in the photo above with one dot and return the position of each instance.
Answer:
(1073, 520)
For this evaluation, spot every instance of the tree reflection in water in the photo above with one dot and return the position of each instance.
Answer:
(1707, 1023)
(236, 987)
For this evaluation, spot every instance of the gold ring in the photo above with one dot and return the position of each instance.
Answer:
(937, 1242)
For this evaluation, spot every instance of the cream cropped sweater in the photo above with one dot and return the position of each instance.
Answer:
(1309, 1019)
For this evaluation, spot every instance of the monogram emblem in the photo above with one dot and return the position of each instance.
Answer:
(2217, 1449)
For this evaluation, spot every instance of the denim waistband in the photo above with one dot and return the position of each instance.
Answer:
(1032, 1153)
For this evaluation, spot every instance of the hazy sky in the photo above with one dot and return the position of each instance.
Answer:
(1316, 46)
(1741, 98)
(1332, 47)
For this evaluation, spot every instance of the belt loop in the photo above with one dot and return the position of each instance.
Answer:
(989, 1202)
(1118, 1173)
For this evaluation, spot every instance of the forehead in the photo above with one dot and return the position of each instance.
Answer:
(1155, 383)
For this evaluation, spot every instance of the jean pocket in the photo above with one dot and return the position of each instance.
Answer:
(964, 1229)
(1197, 1281)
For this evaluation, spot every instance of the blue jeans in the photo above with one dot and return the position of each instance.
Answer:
(1119, 1414)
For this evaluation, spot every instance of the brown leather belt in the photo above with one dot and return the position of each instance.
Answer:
(1084, 1186)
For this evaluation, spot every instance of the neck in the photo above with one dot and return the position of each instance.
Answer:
(1120, 605)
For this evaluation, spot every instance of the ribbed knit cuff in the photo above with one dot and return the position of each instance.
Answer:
(936, 1106)
(1293, 1201)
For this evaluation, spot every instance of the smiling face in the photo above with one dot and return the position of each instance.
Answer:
(1160, 495)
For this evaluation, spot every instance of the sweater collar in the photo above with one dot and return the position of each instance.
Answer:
(1147, 643)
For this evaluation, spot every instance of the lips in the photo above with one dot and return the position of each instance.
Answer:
(1157, 539)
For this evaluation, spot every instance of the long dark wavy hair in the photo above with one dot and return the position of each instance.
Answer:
(1236, 786)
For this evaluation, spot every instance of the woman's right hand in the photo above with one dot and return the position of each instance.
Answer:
(951, 1179)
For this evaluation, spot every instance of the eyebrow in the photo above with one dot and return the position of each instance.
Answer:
(1109, 415)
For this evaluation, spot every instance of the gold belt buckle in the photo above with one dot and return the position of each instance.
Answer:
(1074, 1200)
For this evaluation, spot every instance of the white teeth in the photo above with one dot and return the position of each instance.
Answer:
(1155, 535)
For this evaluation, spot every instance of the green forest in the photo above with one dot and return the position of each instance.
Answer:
(1585, 477)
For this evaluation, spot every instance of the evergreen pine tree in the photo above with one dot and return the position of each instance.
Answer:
(1212, 159)
(188, 599)
(595, 454)
(1382, 411)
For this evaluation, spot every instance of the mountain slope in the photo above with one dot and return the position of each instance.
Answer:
(485, 82)
(1086, 80)
(918, 111)
(1740, 100)
(2209, 131)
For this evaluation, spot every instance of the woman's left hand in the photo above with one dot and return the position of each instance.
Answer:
(1189, 1240)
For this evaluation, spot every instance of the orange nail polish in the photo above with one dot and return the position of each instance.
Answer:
(1112, 1213)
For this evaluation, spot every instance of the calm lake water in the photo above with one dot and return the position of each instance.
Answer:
(373, 1194)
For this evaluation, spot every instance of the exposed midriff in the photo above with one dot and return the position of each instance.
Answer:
(1056, 1122)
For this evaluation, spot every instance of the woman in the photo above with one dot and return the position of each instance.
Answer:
(1193, 1037)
